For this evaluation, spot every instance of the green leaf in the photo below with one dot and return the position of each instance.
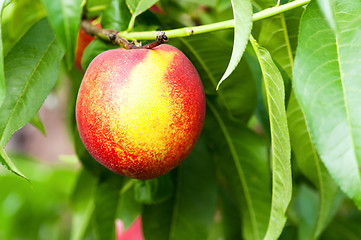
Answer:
(262, 4)
(3, 4)
(31, 70)
(64, 17)
(280, 142)
(94, 8)
(240, 156)
(242, 12)
(5, 161)
(136, 7)
(27, 12)
(327, 7)
(327, 88)
(38, 124)
(279, 36)
(307, 209)
(189, 214)
(238, 95)
(116, 16)
(231, 219)
(106, 202)
(128, 208)
(154, 190)
(310, 165)
(83, 204)
(95, 48)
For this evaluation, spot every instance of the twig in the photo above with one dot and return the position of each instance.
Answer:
(112, 36)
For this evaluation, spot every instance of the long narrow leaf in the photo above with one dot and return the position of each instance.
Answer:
(241, 155)
(64, 17)
(242, 12)
(31, 70)
(280, 142)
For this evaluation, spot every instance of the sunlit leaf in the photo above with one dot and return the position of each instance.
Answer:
(31, 70)
(3, 4)
(280, 142)
(327, 87)
(64, 17)
(242, 11)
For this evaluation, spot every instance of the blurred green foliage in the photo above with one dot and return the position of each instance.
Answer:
(40, 209)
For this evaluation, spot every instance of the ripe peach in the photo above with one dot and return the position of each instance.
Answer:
(140, 112)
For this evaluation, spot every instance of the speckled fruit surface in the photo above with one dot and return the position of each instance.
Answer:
(140, 112)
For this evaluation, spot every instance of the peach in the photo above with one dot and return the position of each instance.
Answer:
(140, 112)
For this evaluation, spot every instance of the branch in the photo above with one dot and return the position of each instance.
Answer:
(188, 31)
(113, 37)
(107, 35)
(121, 38)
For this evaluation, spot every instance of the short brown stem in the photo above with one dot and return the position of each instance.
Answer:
(160, 39)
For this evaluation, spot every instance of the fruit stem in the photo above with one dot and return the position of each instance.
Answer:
(188, 31)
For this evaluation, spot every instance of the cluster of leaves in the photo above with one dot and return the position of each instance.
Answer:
(291, 96)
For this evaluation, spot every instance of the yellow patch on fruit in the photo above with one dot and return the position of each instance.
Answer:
(145, 114)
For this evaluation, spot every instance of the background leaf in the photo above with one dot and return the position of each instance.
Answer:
(136, 7)
(310, 165)
(154, 190)
(83, 204)
(106, 202)
(31, 70)
(64, 17)
(242, 11)
(128, 208)
(189, 214)
(240, 156)
(3, 4)
(279, 36)
(327, 89)
(280, 142)
(238, 95)
(116, 16)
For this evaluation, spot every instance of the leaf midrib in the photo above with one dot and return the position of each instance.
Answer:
(238, 167)
(25, 87)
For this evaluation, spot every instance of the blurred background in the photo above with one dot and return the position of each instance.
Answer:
(40, 209)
